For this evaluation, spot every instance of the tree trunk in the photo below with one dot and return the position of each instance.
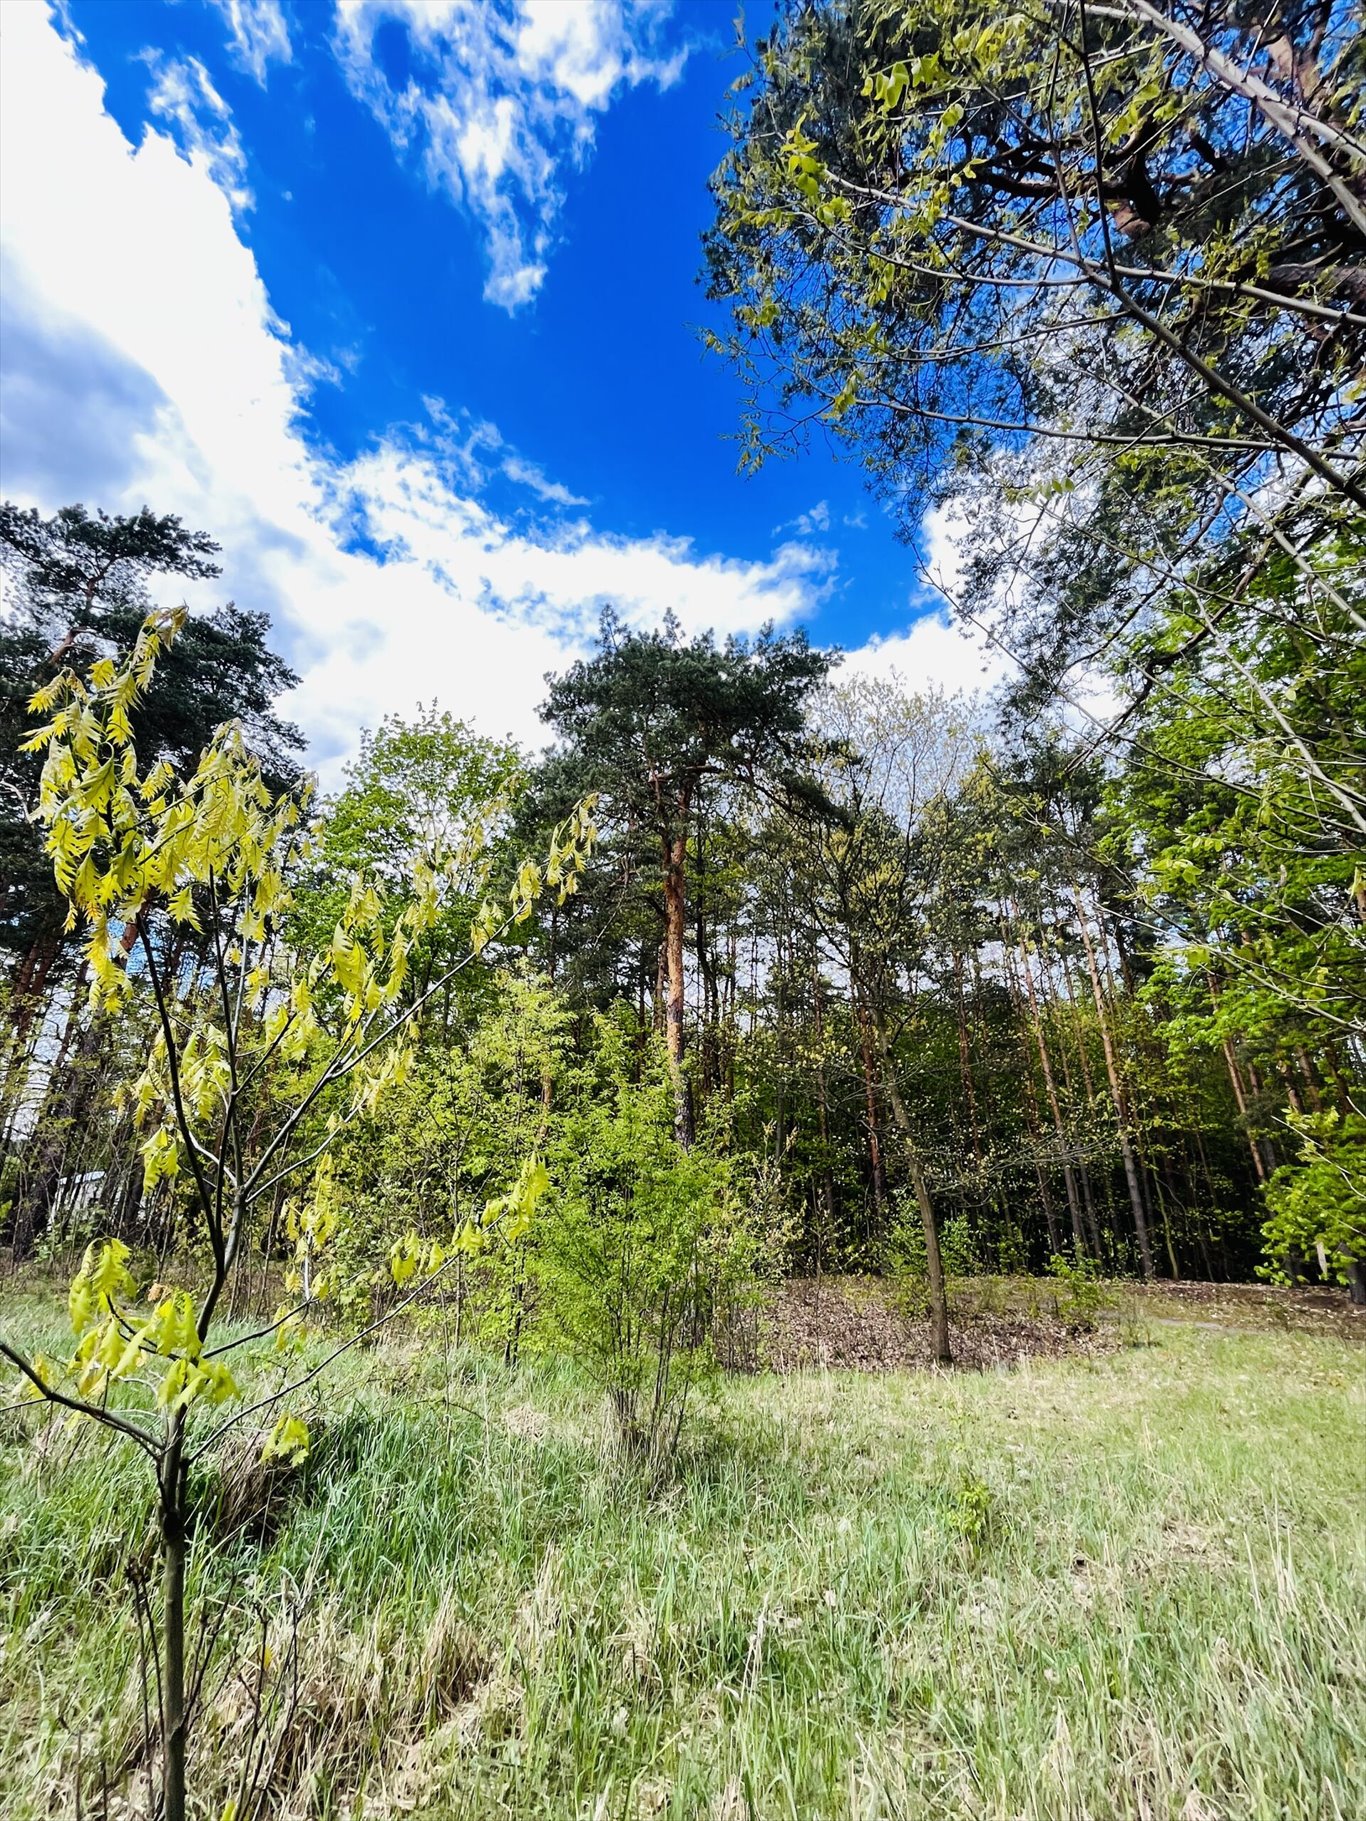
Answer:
(965, 1057)
(1145, 1250)
(1268, 1148)
(822, 1102)
(174, 1542)
(708, 1052)
(1055, 1106)
(66, 1104)
(934, 1263)
(1239, 1092)
(875, 1161)
(1034, 1127)
(1088, 1202)
(661, 988)
(51, 1151)
(675, 923)
(27, 991)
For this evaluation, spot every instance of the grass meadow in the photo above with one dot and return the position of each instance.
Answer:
(1129, 1584)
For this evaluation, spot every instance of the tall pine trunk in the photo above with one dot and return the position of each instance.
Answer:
(1117, 1095)
(675, 925)
(1054, 1105)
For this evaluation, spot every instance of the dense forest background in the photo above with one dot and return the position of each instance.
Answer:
(1075, 972)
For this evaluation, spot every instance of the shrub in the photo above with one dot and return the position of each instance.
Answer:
(1012, 1253)
(1318, 1203)
(906, 1262)
(1079, 1292)
(638, 1248)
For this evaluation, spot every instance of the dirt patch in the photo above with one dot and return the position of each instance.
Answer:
(853, 1324)
(1304, 1309)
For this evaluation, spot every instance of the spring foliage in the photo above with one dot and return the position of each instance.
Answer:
(231, 1075)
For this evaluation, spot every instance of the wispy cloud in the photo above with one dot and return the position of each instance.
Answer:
(184, 98)
(257, 34)
(808, 524)
(469, 450)
(496, 98)
(527, 474)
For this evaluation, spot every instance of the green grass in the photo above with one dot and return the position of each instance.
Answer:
(1127, 1586)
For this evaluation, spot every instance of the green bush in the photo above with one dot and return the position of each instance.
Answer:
(1318, 1203)
(1079, 1291)
(1012, 1252)
(906, 1261)
(637, 1249)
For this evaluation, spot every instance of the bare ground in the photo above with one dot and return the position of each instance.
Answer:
(1305, 1309)
(856, 1323)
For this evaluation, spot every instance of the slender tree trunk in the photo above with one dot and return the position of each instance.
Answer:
(1268, 1147)
(174, 1545)
(1138, 1133)
(965, 1057)
(1240, 1100)
(26, 1002)
(1167, 1228)
(1145, 1250)
(706, 1036)
(50, 1152)
(934, 1262)
(1068, 996)
(1034, 1128)
(675, 924)
(875, 1161)
(66, 1106)
(732, 981)
(1055, 1106)
(822, 1101)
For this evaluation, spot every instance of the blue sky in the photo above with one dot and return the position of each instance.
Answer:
(399, 299)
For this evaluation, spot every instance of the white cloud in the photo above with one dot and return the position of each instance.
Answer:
(944, 535)
(560, 577)
(933, 652)
(957, 653)
(257, 34)
(389, 579)
(938, 649)
(808, 524)
(527, 474)
(501, 95)
(183, 96)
